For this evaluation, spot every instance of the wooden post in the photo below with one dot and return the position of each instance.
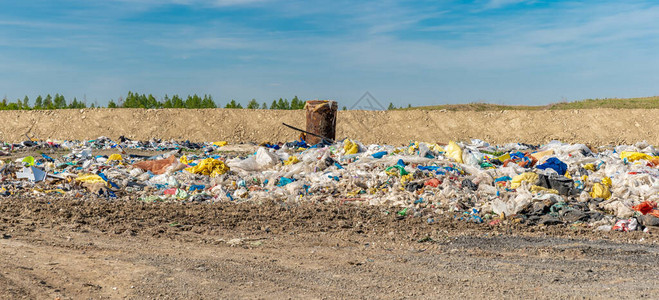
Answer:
(321, 120)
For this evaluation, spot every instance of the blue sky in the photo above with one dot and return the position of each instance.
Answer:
(405, 52)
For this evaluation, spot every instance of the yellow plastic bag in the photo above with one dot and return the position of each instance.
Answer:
(350, 147)
(115, 157)
(590, 166)
(600, 191)
(454, 151)
(90, 178)
(184, 160)
(220, 143)
(607, 181)
(291, 160)
(210, 167)
(634, 156)
(537, 189)
(412, 149)
(435, 147)
(524, 177)
(405, 179)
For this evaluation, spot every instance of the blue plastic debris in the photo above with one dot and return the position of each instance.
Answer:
(284, 181)
(401, 163)
(554, 164)
(112, 184)
(197, 187)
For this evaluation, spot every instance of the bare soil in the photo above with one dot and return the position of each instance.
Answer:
(591, 126)
(84, 248)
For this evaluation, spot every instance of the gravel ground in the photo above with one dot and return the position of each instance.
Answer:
(84, 248)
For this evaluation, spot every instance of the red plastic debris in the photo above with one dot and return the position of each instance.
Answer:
(645, 207)
(433, 182)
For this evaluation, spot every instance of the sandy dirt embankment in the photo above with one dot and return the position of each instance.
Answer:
(596, 126)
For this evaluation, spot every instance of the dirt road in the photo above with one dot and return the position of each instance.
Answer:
(593, 126)
(76, 249)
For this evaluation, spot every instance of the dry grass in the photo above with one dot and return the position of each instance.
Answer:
(628, 103)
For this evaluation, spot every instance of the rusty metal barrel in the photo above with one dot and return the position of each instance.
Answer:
(321, 120)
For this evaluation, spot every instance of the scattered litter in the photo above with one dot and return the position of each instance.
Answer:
(31, 173)
(606, 188)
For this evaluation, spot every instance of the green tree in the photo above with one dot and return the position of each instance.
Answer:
(56, 101)
(111, 104)
(19, 104)
(345, 108)
(177, 102)
(126, 100)
(208, 102)
(48, 102)
(151, 102)
(130, 101)
(274, 105)
(193, 101)
(74, 103)
(198, 101)
(253, 104)
(283, 104)
(264, 106)
(38, 103)
(59, 102)
(26, 102)
(391, 106)
(135, 100)
(296, 103)
(167, 102)
(143, 101)
(232, 104)
(62, 102)
(13, 106)
(81, 104)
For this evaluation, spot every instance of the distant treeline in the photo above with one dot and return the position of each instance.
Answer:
(48, 102)
(135, 100)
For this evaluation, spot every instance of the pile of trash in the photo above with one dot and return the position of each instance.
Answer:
(608, 188)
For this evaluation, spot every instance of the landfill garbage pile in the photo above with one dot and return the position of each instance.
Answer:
(608, 188)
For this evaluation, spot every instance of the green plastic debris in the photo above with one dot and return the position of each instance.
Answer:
(28, 161)
(401, 170)
(403, 212)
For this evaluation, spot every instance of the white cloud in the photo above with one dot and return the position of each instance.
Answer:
(209, 3)
(493, 4)
(219, 43)
(223, 3)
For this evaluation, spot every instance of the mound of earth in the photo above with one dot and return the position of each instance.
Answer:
(592, 126)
